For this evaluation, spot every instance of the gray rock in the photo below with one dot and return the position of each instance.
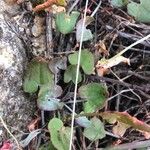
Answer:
(16, 108)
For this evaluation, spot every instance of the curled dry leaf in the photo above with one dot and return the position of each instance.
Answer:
(103, 66)
(100, 46)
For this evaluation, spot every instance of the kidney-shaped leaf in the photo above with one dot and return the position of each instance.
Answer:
(60, 135)
(86, 62)
(140, 11)
(65, 23)
(70, 74)
(95, 94)
(95, 131)
(37, 74)
(47, 98)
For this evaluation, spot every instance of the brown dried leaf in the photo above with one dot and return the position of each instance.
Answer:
(120, 129)
(124, 117)
(104, 65)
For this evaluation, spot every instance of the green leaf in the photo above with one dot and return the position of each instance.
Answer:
(30, 86)
(70, 74)
(119, 3)
(95, 94)
(89, 107)
(37, 74)
(65, 23)
(95, 131)
(60, 135)
(47, 98)
(140, 11)
(86, 62)
(83, 121)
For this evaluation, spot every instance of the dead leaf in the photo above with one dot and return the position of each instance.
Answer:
(103, 65)
(49, 3)
(33, 125)
(146, 134)
(120, 129)
(125, 118)
(56, 9)
(100, 46)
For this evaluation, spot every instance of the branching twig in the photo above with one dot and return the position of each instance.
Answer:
(96, 9)
(135, 87)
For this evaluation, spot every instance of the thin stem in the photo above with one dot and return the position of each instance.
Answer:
(77, 74)
(98, 6)
(133, 44)
(5, 126)
(133, 145)
(73, 5)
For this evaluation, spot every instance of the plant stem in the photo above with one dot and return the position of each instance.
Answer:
(73, 5)
(133, 145)
(133, 44)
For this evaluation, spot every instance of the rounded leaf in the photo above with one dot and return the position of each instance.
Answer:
(95, 94)
(140, 11)
(70, 74)
(36, 75)
(60, 135)
(65, 23)
(47, 98)
(95, 131)
(86, 62)
(30, 86)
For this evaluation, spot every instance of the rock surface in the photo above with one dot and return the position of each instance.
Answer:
(16, 108)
